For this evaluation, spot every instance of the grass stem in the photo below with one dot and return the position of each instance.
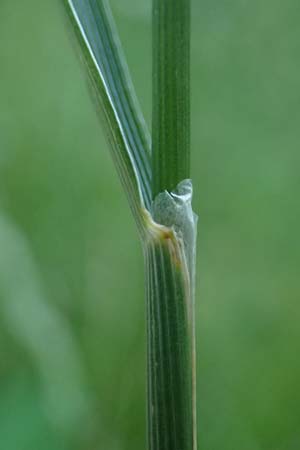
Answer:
(171, 94)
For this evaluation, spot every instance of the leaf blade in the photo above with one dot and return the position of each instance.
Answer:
(125, 125)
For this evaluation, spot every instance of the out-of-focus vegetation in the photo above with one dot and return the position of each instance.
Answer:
(72, 332)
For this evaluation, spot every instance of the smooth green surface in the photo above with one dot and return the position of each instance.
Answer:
(59, 191)
(170, 94)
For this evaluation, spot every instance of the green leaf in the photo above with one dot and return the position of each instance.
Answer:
(125, 126)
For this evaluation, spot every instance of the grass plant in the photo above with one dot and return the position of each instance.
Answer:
(155, 173)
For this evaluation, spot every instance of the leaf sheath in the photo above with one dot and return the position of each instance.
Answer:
(170, 403)
(170, 267)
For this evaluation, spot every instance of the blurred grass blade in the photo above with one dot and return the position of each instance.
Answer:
(171, 94)
(108, 71)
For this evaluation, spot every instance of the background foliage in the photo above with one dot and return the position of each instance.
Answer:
(72, 339)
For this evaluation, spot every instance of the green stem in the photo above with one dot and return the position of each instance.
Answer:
(171, 94)
(170, 253)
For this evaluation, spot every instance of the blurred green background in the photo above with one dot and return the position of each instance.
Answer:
(72, 316)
